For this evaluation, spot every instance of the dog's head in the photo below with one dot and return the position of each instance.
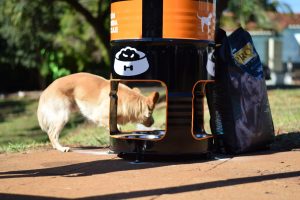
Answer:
(151, 100)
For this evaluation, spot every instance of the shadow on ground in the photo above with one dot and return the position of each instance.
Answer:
(80, 169)
(286, 142)
(171, 190)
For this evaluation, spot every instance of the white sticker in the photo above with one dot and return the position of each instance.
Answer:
(114, 28)
(205, 21)
(130, 62)
(210, 66)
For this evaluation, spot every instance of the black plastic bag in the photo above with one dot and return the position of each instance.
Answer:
(242, 117)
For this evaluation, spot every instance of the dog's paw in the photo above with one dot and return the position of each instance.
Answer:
(64, 149)
(119, 127)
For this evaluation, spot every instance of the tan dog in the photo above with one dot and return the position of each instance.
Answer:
(90, 94)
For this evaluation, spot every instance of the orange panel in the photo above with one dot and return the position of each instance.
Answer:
(126, 20)
(183, 19)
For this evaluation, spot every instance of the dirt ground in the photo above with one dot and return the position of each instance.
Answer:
(94, 174)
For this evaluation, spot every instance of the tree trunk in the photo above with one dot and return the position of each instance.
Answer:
(221, 6)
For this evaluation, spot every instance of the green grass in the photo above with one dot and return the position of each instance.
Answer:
(18, 125)
(285, 108)
(19, 129)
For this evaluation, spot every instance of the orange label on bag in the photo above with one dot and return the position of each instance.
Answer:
(126, 20)
(187, 19)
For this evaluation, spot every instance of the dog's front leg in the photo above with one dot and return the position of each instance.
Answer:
(119, 127)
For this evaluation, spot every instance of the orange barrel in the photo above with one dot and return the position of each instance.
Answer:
(167, 19)
(165, 40)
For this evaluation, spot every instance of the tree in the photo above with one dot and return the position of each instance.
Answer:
(98, 19)
(255, 10)
(24, 30)
(245, 11)
(27, 28)
(277, 6)
(221, 6)
(53, 37)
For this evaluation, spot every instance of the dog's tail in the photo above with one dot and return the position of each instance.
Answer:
(40, 114)
(53, 112)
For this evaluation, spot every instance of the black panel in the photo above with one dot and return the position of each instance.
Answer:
(152, 18)
(180, 65)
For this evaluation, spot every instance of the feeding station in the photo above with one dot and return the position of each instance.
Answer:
(170, 41)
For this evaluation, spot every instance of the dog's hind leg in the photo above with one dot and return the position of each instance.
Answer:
(52, 117)
(53, 135)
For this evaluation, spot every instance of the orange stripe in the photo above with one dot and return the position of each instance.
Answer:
(128, 15)
(180, 19)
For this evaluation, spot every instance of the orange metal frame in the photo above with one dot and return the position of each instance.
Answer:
(193, 110)
(119, 136)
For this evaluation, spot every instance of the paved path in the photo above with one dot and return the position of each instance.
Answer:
(91, 174)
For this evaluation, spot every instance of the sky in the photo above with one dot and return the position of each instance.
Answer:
(295, 4)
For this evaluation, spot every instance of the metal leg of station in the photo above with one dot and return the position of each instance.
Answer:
(140, 147)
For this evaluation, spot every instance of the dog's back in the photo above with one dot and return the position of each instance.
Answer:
(59, 98)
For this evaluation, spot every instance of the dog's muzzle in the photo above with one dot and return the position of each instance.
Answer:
(148, 121)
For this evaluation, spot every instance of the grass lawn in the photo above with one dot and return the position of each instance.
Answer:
(285, 107)
(19, 129)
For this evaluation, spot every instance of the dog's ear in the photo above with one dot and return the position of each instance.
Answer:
(152, 99)
(136, 90)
